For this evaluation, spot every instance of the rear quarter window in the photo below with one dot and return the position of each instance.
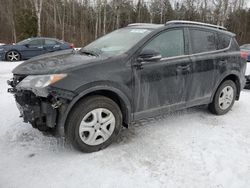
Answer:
(223, 41)
(50, 42)
(235, 45)
(202, 41)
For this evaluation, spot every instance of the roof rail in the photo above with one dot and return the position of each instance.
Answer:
(195, 23)
(143, 24)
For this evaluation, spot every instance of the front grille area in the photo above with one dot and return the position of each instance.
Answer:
(27, 98)
(36, 110)
(39, 111)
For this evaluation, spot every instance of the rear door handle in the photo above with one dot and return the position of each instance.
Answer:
(56, 46)
(184, 67)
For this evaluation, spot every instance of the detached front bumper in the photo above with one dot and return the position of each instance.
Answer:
(41, 112)
(37, 111)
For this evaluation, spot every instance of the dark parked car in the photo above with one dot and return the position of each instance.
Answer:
(32, 47)
(245, 50)
(133, 73)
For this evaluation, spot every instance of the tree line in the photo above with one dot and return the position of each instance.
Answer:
(82, 21)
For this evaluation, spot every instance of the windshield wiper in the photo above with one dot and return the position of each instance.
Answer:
(89, 52)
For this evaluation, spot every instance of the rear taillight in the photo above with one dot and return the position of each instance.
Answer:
(72, 45)
(244, 55)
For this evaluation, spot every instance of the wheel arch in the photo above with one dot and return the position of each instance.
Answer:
(110, 92)
(235, 78)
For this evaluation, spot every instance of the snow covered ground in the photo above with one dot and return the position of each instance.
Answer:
(187, 149)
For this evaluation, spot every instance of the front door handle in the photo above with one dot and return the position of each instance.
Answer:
(138, 65)
(183, 69)
(223, 61)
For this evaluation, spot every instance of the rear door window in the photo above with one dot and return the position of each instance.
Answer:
(202, 41)
(50, 42)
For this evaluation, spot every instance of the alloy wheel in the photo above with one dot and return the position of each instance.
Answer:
(13, 56)
(226, 97)
(97, 126)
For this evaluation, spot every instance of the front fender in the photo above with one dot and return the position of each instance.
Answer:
(83, 91)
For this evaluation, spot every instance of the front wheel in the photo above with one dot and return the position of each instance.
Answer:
(93, 124)
(13, 56)
(224, 98)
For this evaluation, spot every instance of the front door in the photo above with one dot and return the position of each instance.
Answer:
(161, 85)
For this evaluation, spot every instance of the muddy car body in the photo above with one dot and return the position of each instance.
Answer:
(65, 91)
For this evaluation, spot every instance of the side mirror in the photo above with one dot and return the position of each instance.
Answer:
(149, 55)
(27, 45)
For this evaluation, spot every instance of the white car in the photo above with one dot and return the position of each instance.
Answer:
(248, 69)
(247, 74)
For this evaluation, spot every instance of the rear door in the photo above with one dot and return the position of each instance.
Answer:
(35, 47)
(51, 45)
(205, 61)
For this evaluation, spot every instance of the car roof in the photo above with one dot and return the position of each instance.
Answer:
(43, 38)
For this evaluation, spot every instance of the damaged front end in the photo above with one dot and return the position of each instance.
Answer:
(39, 103)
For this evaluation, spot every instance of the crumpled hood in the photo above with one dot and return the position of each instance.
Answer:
(56, 62)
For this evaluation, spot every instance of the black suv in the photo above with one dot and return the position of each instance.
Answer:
(136, 72)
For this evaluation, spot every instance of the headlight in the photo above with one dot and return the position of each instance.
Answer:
(40, 81)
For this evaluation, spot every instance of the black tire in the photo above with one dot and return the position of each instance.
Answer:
(214, 107)
(13, 52)
(82, 108)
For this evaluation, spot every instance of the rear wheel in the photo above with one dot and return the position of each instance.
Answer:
(93, 124)
(224, 98)
(13, 56)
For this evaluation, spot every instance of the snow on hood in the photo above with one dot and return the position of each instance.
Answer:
(56, 62)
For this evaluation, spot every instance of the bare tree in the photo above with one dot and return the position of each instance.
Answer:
(104, 16)
(81, 21)
(38, 8)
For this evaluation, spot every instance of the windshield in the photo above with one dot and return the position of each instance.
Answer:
(117, 42)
